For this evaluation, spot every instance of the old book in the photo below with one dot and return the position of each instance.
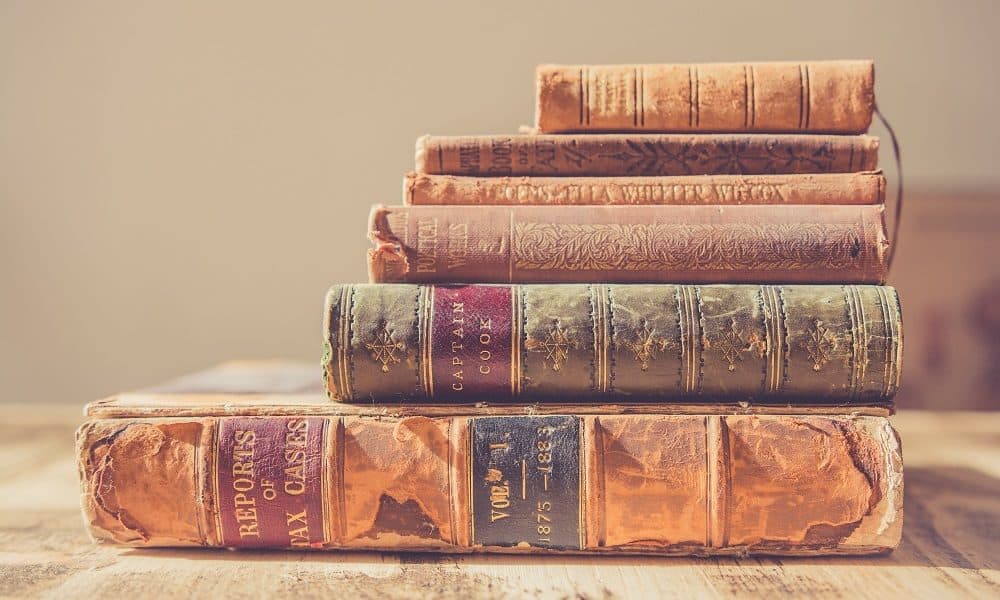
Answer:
(522, 482)
(810, 188)
(644, 154)
(628, 244)
(823, 96)
(832, 344)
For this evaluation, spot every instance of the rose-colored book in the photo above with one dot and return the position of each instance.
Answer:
(628, 244)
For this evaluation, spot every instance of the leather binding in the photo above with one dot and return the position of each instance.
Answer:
(822, 96)
(648, 154)
(753, 344)
(603, 483)
(628, 244)
(818, 188)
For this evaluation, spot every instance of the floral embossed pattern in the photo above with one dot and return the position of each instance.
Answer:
(686, 246)
(731, 156)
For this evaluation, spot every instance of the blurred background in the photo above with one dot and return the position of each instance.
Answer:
(181, 181)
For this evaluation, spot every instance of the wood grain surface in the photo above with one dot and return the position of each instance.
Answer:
(951, 540)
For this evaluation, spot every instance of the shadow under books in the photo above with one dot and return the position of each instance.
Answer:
(952, 519)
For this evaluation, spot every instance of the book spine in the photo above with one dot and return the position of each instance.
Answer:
(556, 483)
(832, 188)
(645, 154)
(628, 244)
(828, 96)
(610, 343)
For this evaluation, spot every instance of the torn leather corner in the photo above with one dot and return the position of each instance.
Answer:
(387, 263)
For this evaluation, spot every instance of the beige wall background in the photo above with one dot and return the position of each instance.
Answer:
(180, 181)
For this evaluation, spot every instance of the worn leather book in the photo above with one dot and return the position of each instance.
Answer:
(820, 344)
(628, 244)
(216, 468)
(644, 154)
(817, 188)
(828, 96)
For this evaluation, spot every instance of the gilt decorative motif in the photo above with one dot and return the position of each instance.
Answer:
(645, 346)
(819, 344)
(556, 346)
(383, 348)
(730, 156)
(733, 343)
(686, 246)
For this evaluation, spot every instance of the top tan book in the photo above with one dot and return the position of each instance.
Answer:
(774, 97)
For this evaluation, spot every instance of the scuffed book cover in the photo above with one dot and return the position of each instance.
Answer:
(204, 468)
(796, 344)
(819, 96)
(645, 154)
(628, 244)
(810, 188)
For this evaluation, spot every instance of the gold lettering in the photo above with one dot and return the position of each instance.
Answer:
(246, 514)
(427, 238)
(458, 245)
(249, 530)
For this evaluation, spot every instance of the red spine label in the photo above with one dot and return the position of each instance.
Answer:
(471, 345)
(269, 482)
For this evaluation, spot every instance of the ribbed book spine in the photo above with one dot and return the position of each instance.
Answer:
(821, 96)
(836, 344)
(659, 484)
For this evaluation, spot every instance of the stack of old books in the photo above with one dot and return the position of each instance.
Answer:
(655, 325)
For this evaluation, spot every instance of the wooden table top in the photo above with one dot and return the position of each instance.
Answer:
(951, 540)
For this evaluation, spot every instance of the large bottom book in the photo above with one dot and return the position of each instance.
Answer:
(184, 465)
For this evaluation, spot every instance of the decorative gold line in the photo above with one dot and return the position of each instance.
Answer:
(346, 300)
(779, 314)
(339, 460)
(862, 357)
(524, 479)
(581, 469)
(887, 331)
(606, 302)
(712, 477)
(693, 338)
(199, 484)
(216, 443)
(773, 366)
(469, 461)
(688, 351)
(859, 338)
(515, 341)
(597, 295)
(428, 340)
(600, 348)
(776, 324)
(324, 482)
